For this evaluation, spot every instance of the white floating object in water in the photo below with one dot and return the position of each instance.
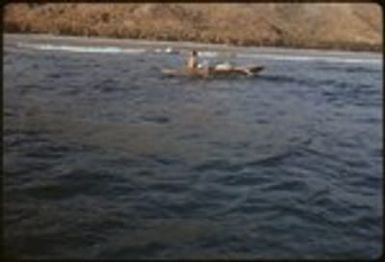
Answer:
(169, 50)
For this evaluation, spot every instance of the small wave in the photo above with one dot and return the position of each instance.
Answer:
(208, 54)
(353, 69)
(225, 165)
(301, 58)
(163, 160)
(220, 165)
(156, 119)
(298, 186)
(83, 49)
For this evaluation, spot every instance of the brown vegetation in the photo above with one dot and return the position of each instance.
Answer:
(341, 26)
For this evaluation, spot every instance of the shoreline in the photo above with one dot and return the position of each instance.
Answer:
(129, 42)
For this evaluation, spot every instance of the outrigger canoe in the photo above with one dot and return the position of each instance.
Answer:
(212, 71)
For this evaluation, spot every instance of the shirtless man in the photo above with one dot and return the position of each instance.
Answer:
(193, 65)
(192, 62)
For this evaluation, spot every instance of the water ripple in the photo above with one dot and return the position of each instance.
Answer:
(106, 158)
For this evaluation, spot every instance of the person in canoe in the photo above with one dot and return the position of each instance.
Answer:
(194, 66)
(192, 61)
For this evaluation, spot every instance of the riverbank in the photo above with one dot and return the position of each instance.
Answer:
(355, 27)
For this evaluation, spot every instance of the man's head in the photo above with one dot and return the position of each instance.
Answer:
(194, 53)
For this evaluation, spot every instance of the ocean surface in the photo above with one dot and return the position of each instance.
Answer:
(105, 157)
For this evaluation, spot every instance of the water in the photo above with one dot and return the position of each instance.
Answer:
(106, 158)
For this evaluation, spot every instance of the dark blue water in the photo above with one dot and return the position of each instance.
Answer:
(106, 158)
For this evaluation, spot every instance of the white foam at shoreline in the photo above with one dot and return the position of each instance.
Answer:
(83, 49)
(208, 54)
(302, 58)
(282, 57)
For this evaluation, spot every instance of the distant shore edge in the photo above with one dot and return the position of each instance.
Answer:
(355, 47)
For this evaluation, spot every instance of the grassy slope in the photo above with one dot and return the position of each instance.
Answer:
(341, 26)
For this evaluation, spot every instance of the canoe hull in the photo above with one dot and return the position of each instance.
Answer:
(206, 72)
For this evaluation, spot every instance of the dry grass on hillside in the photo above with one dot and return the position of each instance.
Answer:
(344, 26)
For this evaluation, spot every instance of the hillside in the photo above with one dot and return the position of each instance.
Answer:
(336, 26)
